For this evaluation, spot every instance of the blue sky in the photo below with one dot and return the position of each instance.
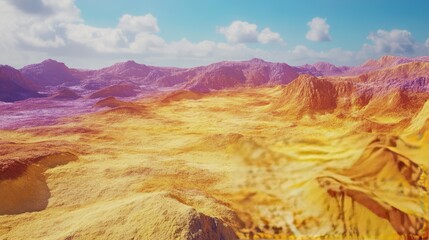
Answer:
(350, 21)
(96, 33)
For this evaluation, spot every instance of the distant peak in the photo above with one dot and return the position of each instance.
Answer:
(257, 60)
(128, 63)
(389, 58)
(384, 61)
(323, 64)
(51, 61)
(6, 67)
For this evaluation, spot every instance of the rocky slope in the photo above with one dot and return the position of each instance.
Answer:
(384, 73)
(49, 73)
(14, 86)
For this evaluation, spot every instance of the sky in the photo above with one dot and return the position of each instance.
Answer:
(98, 33)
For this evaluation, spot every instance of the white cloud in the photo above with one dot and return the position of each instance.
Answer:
(55, 29)
(267, 36)
(209, 49)
(101, 39)
(31, 7)
(147, 42)
(319, 30)
(240, 32)
(63, 34)
(146, 23)
(396, 41)
(36, 27)
(129, 41)
(134, 34)
(244, 32)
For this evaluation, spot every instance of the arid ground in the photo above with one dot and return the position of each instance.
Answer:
(317, 158)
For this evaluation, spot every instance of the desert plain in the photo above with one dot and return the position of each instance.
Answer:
(319, 156)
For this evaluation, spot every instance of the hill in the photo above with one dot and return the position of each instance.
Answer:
(14, 86)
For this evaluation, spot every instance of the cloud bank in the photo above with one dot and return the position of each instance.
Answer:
(55, 29)
(244, 32)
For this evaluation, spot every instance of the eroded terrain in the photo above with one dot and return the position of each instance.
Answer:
(221, 165)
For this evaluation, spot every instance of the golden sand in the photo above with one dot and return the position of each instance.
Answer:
(223, 165)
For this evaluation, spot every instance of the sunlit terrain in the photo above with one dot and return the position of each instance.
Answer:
(224, 164)
(214, 120)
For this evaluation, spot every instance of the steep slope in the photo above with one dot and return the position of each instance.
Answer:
(382, 63)
(50, 73)
(394, 178)
(259, 72)
(15, 87)
(23, 166)
(401, 90)
(328, 69)
(402, 72)
(395, 100)
(220, 77)
(420, 121)
(413, 76)
(307, 95)
(128, 72)
(254, 72)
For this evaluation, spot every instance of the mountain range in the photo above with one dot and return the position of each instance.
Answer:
(320, 87)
